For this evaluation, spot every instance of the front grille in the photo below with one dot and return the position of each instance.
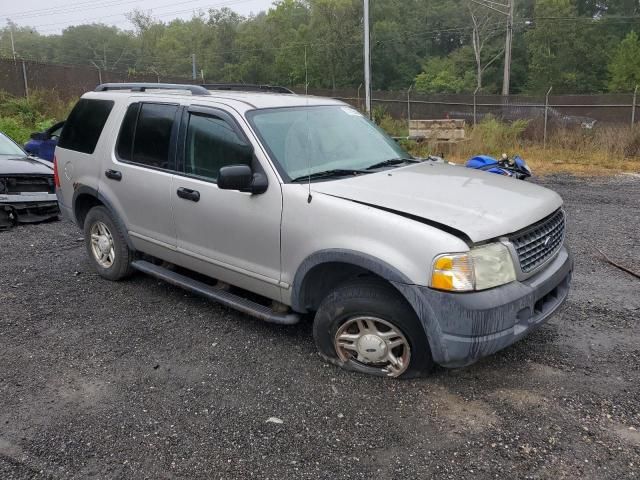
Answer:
(536, 244)
(20, 184)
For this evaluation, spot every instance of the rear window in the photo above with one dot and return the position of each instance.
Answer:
(145, 136)
(85, 123)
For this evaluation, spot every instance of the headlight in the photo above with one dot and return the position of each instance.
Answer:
(481, 268)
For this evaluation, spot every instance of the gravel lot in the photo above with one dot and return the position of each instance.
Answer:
(139, 380)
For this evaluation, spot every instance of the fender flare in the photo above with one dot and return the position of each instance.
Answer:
(339, 255)
(405, 287)
(86, 190)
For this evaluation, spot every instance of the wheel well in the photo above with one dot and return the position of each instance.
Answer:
(83, 204)
(322, 279)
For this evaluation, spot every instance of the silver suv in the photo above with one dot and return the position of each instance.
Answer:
(283, 206)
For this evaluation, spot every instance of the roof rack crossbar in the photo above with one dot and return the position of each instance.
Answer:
(247, 87)
(141, 87)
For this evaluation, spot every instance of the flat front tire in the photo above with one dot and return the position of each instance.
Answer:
(106, 246)
(366, 326)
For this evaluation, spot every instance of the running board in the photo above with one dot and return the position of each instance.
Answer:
(221, 296)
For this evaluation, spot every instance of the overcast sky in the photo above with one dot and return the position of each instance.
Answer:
(52, 16)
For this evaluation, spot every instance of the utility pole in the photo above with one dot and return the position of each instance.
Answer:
(367, 59)
(506, 80)
(193, 66)
(13, 47)
(508, 11)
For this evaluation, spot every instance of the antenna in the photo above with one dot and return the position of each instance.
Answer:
(310, 197)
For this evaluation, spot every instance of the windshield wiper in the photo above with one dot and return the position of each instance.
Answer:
(337, 172)
(391, 162)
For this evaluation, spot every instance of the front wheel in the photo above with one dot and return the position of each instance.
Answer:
(366, 326)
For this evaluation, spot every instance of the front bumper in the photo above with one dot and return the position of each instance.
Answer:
(27, 208)
(464, 327)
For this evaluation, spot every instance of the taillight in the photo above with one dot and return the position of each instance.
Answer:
(56, 178)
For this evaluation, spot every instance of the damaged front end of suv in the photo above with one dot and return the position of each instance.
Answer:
(27, 189)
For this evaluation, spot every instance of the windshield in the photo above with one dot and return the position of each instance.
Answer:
(308, 140)
(8, 147)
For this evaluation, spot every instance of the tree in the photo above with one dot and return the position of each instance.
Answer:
(625, 65)
(442, 75)
(483, 30)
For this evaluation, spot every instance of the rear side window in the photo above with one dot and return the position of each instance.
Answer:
(145, 136)
(85, 123)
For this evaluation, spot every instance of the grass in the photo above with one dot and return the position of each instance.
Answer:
(606, 150)
(20, 116)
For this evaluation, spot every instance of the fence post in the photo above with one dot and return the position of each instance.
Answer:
(156, 72)
(409, 106)
(475, 106)
(24, 76)
(633, 107)
(358, 95)
(546, 116)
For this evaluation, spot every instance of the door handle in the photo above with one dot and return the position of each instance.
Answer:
(189, 194)
(113, 175)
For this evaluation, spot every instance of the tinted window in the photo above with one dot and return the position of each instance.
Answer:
(153, 135)
(125, 139)
(211, 144)
(85, 123)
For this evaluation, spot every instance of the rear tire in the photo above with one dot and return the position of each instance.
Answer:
(106, 245)
(365, 325)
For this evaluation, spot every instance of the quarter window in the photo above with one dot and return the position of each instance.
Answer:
(85, 123)
(212, 143)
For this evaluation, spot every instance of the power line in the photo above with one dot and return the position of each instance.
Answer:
(165, 14)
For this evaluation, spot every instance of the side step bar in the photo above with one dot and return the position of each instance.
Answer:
(221, 296)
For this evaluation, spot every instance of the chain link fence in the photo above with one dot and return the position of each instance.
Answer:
(19, 77)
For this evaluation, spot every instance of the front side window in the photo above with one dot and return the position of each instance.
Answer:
(308, 140)
(211, 144)
(82, 129)
(145, 135)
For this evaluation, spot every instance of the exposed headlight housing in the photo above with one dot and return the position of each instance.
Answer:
(481, 268)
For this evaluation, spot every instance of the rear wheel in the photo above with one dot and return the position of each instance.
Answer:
(366, 326)
(106, 246)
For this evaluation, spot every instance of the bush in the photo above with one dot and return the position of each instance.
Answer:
(492, 136)
(19, 116)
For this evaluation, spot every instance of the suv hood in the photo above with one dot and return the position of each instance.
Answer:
(15, 165)
(479, 204)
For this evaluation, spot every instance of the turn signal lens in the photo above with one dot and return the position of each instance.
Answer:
(481, 268)
(453, 272)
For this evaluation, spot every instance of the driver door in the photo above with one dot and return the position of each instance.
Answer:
(229, 235)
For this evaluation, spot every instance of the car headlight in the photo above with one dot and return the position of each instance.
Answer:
(481, 268)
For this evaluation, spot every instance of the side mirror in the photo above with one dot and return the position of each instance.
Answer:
(240, 177)
(38, 136)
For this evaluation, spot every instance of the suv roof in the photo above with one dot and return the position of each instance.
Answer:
(244, 100)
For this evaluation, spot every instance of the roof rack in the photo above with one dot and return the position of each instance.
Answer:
(141, 87)
(247, 87)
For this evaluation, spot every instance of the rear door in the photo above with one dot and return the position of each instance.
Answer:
(230, 235)
(137, 177)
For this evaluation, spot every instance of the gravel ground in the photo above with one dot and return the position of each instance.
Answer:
(139, 380)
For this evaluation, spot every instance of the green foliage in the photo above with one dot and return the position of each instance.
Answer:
(569, 45)
(19, 117)
(443, 75)
(625, 65)
(496, 136)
